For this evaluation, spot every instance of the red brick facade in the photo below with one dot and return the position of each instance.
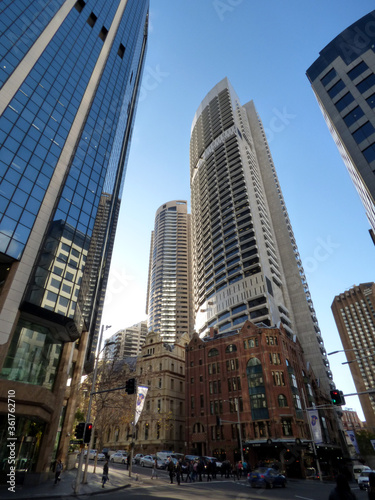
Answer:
(260, 369)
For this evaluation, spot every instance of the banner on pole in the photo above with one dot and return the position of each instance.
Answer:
(353, 440)
(316, 430)
(141, 396)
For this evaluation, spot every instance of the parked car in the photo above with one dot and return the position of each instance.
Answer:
(265, 477)
(149, 460)
(363, 479)
(92, 454)
(137, 458)
(119, 457)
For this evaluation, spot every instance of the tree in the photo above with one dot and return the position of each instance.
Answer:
(363, 439)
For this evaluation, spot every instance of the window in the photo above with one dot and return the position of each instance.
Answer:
(338, 87)
(353, 116)
(328, 77)
(231, 348)
(369, 153)
(344, 101)
(103, 33)
(357, 70)
(287, 427)
(192, 403)
(91, 20)
(282, 401)
(371, 101)
(363, 132)
(121, 51)
(366, 84)
(79, 5)
(213, 352)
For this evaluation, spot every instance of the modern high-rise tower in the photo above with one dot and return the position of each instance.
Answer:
(343, 80)
(169, 291)
(354, 313)
(127, 342)
(70, 73)
(245, 257)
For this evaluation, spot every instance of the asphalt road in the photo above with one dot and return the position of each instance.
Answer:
(221, 489)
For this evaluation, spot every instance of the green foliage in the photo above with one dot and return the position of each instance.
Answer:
(363, 440)
(79, 416)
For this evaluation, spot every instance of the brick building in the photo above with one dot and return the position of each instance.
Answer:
(254, 379)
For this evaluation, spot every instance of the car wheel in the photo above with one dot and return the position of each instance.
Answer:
(283, 485)
(253, 485)
(143, 464)
(268, 486)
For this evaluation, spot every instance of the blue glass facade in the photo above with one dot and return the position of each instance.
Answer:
(35, 128)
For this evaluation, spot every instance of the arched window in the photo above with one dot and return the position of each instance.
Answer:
(283, 402)
(231, 348)
(213, 352)
(253, 362)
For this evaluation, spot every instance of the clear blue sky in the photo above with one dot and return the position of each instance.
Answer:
(264, 48)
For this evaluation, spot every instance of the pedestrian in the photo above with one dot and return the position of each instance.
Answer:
(209, 470)
(342, 490)
(182, 469)
(189, 471)
(58, 470)
(105, 477)
(200, 469)
(170, 468)
(371, 486)
(127, 462)
(154, 473)
(195, 471)
(178, 470)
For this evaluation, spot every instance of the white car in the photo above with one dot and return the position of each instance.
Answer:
(119, 457)
(149, 461)
(137, 458)
(363, 479)
(92, 454)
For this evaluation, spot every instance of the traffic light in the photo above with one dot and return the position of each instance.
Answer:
(87, 436)
(130, 386)
(337, 397)
(342, 398)
(80, 429)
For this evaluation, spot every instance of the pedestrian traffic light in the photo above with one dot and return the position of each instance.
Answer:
(130, 386)
(87, 435)
(80, 429)
(342, 398)
(337, 397)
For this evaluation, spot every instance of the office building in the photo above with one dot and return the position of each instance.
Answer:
(70, 74)
(169, 291)
(245, 257)
(343, 80)
(354, 313)
(127, 342)
(246, 392)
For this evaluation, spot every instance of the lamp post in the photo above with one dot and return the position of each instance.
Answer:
(237, 403)
(88, 416)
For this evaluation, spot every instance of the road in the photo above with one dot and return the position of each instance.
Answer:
(221, 489)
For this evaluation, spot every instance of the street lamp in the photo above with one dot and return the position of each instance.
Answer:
(237, 403)
(84, 480)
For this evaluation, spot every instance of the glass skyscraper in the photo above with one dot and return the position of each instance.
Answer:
(245, 257)
(343, 80)
(70, 76)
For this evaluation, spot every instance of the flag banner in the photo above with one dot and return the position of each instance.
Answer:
(141, 396)
(353, 440)
(316, 430)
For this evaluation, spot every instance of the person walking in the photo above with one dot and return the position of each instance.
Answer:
(127, 462)
(178, 472)
(342, 490)
(58, 470)
(105, 473)
(189, 471)
(371, 486)
(154, 473)
(170, 468)
(209, 470)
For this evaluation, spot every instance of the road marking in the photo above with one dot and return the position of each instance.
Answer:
(305, 498)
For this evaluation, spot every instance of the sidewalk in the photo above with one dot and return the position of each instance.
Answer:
(118, 479)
